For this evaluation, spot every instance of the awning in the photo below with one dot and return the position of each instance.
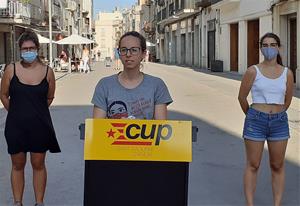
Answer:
(149, 44)
(75, 39)
(44, 40)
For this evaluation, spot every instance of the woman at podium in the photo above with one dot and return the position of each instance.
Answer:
(131, 93)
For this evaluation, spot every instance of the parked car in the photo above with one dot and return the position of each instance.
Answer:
(108, 61)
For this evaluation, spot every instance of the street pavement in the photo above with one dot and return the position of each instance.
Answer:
(208, 99)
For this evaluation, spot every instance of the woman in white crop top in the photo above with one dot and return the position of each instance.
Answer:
(271, 86)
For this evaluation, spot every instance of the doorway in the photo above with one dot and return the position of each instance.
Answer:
(174, 47)
(162, 51)
(183, 48)
(234, 47)
(211, 43)
(293, 46)
(253, 43)
(197, 46)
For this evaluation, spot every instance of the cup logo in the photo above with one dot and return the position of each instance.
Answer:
(134, 134)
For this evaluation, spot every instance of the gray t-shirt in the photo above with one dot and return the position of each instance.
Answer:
(120, 102)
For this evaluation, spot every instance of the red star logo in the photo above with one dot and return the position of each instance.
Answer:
(111, 133)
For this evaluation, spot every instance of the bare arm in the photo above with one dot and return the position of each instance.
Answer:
(160, 112)
(5, 82)
(289, 89)
(99, 113)
(51, 91)
(245, 88)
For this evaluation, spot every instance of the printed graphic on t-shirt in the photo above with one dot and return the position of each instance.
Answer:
(139, 107)
(133, 110)
(117, 110)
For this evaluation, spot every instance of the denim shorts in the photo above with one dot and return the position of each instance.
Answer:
(260, 126)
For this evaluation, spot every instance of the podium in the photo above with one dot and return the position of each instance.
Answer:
(137, 162)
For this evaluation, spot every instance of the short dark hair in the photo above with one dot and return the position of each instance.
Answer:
(137, 35)
(29, 35)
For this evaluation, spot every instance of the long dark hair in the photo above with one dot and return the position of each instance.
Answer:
(277, 39)
(137, 35)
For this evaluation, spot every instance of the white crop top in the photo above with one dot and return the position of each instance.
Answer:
(269, 91)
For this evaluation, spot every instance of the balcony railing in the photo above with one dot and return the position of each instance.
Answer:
(17, 9)
(175, 9)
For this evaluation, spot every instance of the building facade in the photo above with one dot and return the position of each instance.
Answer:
(198, 33)
(175, 31)
(132, 18)
(107, 28)
(240, 24)
(67, 17)
(13, 20)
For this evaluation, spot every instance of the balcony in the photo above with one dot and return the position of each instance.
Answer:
(18, 12)
(175, 11)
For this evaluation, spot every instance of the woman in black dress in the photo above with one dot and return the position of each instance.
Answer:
(27, 90)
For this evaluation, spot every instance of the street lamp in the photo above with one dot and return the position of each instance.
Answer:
(50, 32)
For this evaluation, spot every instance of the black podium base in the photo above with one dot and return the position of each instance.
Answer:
(134, 183)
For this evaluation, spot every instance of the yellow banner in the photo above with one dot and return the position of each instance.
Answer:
(139, 140)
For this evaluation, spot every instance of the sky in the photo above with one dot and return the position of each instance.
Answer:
(109, 5)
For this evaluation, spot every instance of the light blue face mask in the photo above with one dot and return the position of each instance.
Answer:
(269, 53)
(29, 56)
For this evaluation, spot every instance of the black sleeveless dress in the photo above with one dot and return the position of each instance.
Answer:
(28, 125)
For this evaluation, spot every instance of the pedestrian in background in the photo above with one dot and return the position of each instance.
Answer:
(131, 93)
(271, 86)
(117, 59)
(27, 90)
(86, 59)
(98, 55)
(63, 57)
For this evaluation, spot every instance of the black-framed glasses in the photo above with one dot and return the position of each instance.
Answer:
(133, 51)
(25, 49)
